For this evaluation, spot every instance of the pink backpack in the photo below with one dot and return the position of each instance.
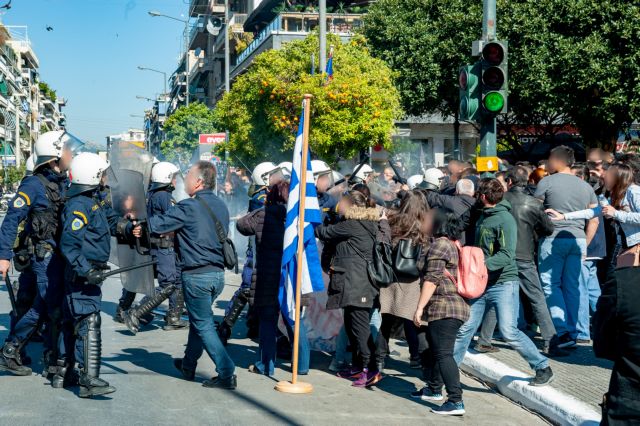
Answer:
(472, 272)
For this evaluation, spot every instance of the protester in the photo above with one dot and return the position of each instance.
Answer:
(398, 301)
(444, 311)
(560, 254)
(496, 235)
(460, 203)
(532, 223)
(350, 287)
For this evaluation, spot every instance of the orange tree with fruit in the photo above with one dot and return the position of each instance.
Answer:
(353, 111)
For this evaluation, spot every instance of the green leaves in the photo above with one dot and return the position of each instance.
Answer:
(352, 112)
(183, 127)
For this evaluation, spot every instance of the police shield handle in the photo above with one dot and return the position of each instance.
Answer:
(294, 386)
(4, 267)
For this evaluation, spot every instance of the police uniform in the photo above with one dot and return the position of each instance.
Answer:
(258, 199)
(87, 225)
(328, 206)
(38, 203)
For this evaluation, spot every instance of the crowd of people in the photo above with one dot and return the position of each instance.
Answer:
(554, 236)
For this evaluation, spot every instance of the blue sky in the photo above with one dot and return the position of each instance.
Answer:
(90, 57)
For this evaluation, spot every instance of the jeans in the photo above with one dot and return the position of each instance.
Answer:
(530, 287)
(268, 316)
(441, 367)
(589, 294)
(304, 348)
(200, 291)
(560, 264)
(505, 298)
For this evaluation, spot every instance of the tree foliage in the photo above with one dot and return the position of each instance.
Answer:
(182, 130)
(354, 111)
(570, 61)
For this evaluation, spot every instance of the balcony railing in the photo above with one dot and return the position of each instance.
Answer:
(302, 23)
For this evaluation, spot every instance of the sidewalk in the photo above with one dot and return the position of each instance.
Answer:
(572, 398)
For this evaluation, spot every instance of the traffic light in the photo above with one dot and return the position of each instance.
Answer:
(470, 92)
(494, 77)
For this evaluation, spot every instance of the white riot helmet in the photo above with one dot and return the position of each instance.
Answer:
(433, 179)
(362, 174)
(414, 181)
(261, 173)
(319, 168)
(85, 173)
(162, 174)
(29, 165)
(286, 167)
(50, 145)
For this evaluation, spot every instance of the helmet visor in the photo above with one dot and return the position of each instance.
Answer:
(72, 143)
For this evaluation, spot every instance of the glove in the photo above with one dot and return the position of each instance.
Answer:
(95, 277)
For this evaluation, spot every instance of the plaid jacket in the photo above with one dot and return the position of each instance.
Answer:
(445, 302)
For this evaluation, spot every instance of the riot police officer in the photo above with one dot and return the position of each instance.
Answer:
(323, 178)
(263, 176)
(37, 206)
(163, 181)
(87, 221)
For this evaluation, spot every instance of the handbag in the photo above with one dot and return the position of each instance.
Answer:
(228, 248)
(629, 258)
(405, 260)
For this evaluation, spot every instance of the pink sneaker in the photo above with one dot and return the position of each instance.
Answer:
(362, 379)
(350, 373)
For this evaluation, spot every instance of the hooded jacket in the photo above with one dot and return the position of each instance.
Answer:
(497, 236)
(350, 284)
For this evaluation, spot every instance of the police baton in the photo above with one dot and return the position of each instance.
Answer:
(129, 268)
(12, 296)
(364, 161)
(397, 178)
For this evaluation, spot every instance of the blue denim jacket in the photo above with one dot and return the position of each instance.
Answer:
(629, 215)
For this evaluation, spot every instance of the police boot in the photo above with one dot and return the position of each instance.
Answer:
(173, 320)
(90, 382)
(10, 360)
(236, 306)
(123, 305)
(66, 376)
(133, 316)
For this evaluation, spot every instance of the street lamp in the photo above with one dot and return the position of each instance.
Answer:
(136, 116)
(164, 76)
(154, 14)
(144, 98)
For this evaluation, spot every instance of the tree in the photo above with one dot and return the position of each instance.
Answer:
(182, 130)
(352, 112)
(570, 61)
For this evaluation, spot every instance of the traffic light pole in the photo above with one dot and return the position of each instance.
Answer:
(488, 122)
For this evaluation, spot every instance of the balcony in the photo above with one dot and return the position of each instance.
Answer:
(293, 25)
(205, 7)
(198, 35)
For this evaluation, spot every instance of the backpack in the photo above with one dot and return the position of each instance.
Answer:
(472, 272)
(405, 259)
(380, 268)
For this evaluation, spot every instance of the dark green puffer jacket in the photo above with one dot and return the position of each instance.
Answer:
(497, 236)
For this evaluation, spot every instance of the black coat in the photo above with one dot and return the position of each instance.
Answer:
(458, 204)
(350, 285)
(531, 220)
(267, 224)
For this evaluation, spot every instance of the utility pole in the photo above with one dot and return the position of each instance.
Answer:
(488, 123)
(322, 20)
(18, 149)
(227, 55)
(187, 70)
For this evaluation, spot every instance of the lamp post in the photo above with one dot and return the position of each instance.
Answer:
(154, 14)
(144, 98)
(164, 80)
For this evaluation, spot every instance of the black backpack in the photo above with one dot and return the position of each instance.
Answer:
(380, 268)
(405, 260)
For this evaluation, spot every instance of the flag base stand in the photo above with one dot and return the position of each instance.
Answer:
(299, 387)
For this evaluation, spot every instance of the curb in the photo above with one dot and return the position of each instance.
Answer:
(551, 403)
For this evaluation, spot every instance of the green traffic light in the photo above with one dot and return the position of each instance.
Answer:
(493, 102)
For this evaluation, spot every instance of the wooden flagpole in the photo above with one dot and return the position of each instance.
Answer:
(294, 386)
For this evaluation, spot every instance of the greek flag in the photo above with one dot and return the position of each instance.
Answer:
(311, 271)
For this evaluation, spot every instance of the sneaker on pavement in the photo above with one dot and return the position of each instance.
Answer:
(450, 409)
(216, 382)
(350, 373)
(415, 363)
(566, 341)
(373, 377)
(186, 373)
(583, 341)
(361, 381)
(544, 376)
(483, 349)
(427, 394)
(554, 351)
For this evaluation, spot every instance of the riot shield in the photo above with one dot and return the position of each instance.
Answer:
(128, 197)
(125, 155)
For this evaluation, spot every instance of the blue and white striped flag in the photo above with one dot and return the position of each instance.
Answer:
(311, 271)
